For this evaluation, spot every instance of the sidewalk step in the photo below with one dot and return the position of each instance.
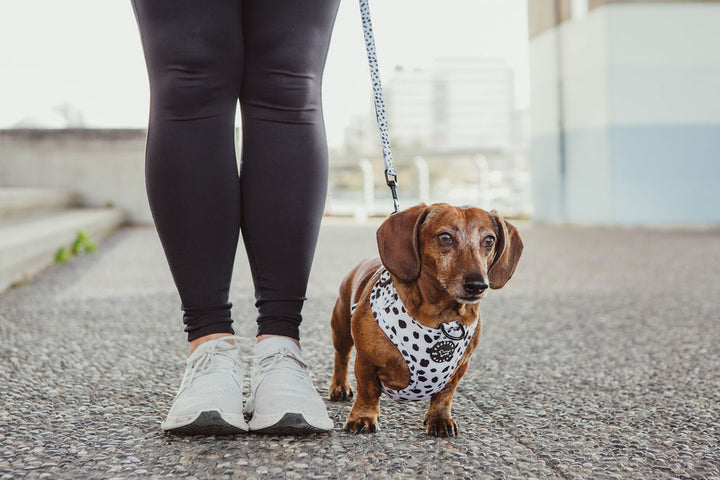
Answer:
(29, 245)
(18, 202)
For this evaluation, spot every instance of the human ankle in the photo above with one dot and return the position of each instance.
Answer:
(206, 338)
(260, 338)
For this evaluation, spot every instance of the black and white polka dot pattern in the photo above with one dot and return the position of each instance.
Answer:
(377, 87)
(432, 354)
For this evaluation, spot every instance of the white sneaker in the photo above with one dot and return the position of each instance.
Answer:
(209, 401)
(283, 400)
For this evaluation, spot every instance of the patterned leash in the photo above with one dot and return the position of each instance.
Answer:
(391, 176)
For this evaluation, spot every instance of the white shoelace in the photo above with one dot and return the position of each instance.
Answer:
(263, 366)
(207, 362)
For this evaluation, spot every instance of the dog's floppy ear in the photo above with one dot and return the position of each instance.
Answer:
(507, 252)
(397, 240)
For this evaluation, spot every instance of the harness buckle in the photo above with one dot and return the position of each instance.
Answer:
(456, 338)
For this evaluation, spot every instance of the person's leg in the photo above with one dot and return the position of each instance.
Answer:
(283, 184)
(284, 159)
(194, 55)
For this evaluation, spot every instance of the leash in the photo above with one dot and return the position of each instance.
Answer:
(391, 176)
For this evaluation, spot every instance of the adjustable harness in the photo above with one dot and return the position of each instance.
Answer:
(431, 354)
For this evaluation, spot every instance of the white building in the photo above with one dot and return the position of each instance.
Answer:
(454, 104)
(474, 103)
(410, 101)
(625, 111)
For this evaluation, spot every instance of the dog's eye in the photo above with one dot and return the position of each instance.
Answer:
(445, 239)
(488, 242)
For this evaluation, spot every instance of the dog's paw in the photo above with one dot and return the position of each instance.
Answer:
(361, 425)
(441, 427)
(339, 393)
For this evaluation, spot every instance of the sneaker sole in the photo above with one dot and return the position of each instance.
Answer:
(290, 424)
(208, 423)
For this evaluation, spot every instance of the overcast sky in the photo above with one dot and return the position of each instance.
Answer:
(87, 53)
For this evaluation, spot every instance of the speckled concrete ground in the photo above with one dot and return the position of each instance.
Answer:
(600, 359)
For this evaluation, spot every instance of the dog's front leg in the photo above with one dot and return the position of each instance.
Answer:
(343, 342)
(364, 414)
(438, 419)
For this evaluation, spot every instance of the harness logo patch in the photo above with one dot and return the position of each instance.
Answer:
(442, 351)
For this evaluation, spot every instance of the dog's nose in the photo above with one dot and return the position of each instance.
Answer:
(475, 285)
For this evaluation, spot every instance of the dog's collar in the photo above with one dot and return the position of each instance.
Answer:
(432, 354)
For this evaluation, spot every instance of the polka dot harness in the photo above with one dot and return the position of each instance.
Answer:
(432, 354)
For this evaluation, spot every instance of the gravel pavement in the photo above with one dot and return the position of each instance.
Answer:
(599, 359)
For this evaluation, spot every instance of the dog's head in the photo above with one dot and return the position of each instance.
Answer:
(465, 249)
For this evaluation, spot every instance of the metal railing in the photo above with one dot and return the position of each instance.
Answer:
(499, 180)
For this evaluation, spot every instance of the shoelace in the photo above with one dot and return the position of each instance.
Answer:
(207, 362)
(264, 365)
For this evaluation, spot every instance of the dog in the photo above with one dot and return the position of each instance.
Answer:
(412, 315)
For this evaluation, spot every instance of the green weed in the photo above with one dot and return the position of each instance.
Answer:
(82, 244)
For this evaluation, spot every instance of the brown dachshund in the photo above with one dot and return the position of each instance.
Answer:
(436, 263)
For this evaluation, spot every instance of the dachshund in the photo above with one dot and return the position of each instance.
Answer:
(413, 314)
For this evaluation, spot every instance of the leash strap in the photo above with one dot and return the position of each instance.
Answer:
(391, 176)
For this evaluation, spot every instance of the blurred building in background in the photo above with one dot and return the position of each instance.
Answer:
(456, 103)
(457, 137)
(625, 111)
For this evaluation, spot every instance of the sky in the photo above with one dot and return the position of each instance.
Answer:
(87, 53)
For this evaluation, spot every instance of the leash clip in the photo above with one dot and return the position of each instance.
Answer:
(391, 181)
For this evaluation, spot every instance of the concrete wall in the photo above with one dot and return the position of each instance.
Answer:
(542, 15)
(103, 166)
(583, 192)
(638, 88)
(548, 189)
(665, 135)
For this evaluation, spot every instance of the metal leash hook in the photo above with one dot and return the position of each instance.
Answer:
(391, 181)
(391, 176)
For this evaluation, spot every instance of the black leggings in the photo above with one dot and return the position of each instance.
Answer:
(202, 56)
